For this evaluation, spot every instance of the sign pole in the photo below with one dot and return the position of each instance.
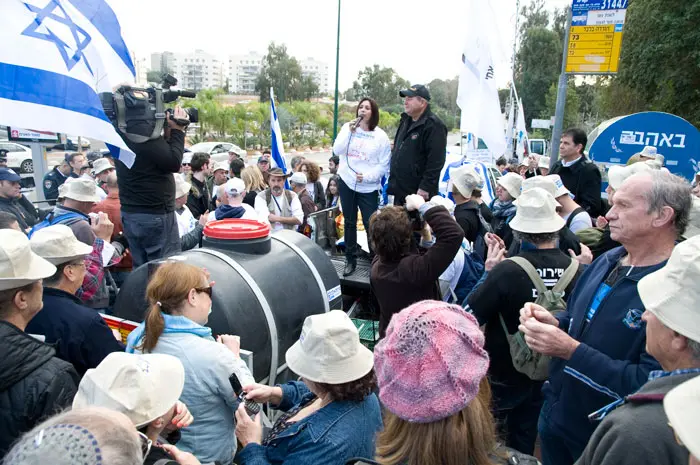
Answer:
(561, 98)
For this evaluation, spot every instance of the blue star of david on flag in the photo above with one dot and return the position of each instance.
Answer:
(72, 54)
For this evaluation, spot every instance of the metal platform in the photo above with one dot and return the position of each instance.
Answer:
(359, 279)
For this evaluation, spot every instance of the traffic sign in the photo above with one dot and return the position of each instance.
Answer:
(595, 36)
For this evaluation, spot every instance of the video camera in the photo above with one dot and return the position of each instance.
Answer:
(139, 113)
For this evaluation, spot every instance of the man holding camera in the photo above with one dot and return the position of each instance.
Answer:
(147, 192)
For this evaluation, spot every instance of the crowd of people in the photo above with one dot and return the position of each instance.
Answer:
(551, 322)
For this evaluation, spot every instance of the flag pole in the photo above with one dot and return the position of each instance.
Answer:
(337, 67)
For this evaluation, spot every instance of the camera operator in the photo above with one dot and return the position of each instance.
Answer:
(147, 192)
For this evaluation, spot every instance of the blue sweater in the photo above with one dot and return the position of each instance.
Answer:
(611, 361)
(332, 435)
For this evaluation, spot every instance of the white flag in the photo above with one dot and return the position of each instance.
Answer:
(57, 55)
(521, 130)
(478, 93)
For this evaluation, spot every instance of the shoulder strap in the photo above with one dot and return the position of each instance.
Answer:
(531, 273)
(288, 194)
(567, 277)
(268, 196)
(573, 215)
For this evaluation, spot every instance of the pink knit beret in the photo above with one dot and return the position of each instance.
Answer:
(431, 361)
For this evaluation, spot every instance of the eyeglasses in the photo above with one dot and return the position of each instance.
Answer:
(207, 290)
(145, 444)
(81, 264)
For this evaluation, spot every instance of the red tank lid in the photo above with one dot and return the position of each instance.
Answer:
(236, 229)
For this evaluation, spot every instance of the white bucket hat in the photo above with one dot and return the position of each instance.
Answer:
(682, 407)
(58, 244)
(618, 174)
(142, 387)
(512, 183)
(444, 202)
(672, 293)
(329, 350)
(20, 266)
(561, 188)
(81, 190)
(465, 179)
(220, 166)
(537, 213)
(182, 187)
(693, 228)
(543, 182)
(544, 162)
(100, 165)
(648, 152)
(298, 178)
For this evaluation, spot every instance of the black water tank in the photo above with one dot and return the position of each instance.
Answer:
(266, 285)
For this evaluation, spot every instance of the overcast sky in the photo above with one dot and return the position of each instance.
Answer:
(420, 39)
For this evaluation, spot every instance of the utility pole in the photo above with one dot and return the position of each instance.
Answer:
(511, 142)
(337, 68)
(561, 98)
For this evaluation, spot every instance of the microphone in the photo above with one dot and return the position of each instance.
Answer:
(356, 122)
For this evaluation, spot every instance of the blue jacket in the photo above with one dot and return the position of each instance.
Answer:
(80, 334)
(332, 435)
(611, 361)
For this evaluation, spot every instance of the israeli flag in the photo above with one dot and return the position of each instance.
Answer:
(277, 146)
(57, 55)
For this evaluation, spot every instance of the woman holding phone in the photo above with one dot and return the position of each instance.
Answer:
(364, 152)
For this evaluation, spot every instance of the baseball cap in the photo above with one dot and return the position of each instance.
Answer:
(141, 386)
(263, 159)
(234, 187)
(6, 174)
(416, 90)
(187, 158)
(298, 178)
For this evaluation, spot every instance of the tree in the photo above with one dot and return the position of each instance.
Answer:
(660, 62)
(537, 67)
(227, 86)
(534, 15)
(571, 110)
(283, 74)
(153, 76)
(379, 83)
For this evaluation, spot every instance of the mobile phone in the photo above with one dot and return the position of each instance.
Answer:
(251, 408)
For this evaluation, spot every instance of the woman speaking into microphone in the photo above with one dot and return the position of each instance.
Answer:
(364, 152)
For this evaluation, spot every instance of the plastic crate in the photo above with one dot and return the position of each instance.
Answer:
(369, 332)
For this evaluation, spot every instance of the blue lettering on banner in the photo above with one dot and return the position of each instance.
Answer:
(333, 293)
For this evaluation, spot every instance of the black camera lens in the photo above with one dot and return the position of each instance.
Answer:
(193, 114)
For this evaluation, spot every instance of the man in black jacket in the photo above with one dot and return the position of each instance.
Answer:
(465, 180)
(34, 383)
(419, 148)
(199, 198)
(147, 194)
(13, 201)
(579, 175)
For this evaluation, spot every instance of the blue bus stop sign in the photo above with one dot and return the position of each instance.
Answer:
(674, 138)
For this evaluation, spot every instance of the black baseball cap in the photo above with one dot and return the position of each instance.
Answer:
(416, 90)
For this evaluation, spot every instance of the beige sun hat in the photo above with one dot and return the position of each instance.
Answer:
(543, 182)
(537, 213)
(182, 187)
(465, 179)
(329, 350)
(80, 189)
(618, 174)
(58, 244)
(220, 165)
(141, 386)
(559, 184)
(648, 152)
(512, 183)
(100, 165)
(443, 202)
(20, 266)
(693, 228)
(544, 162)
(672, 293)
(682, 407)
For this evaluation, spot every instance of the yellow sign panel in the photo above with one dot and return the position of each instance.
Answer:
(594, 49)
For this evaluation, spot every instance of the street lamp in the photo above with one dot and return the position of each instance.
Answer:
(337, 66)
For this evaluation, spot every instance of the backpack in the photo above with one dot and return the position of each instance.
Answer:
(50, 220)
(532, 364)
(573, 215)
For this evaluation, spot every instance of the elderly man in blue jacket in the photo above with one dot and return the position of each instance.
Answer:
(599, 345)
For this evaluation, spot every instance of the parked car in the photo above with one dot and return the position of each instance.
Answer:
(19, 157)
(217, 150)
(71, 144)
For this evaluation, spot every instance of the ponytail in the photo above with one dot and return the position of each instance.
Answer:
(155, 325)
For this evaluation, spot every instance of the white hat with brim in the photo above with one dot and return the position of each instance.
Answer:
(100, 165)
(298, 178)
(182, 187)
(648, 152)
(57, 244)
(20, 266)
(537, 213)
(672, 293)
(142, 387)
(465, 179)
(220, 166)
(543, 182)
(443, 202)
(544, 162)
(329, 350)
(512, 183)
(693, 228)
(682, 407)
(559, 184)
(617, 174)
(81, 190)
